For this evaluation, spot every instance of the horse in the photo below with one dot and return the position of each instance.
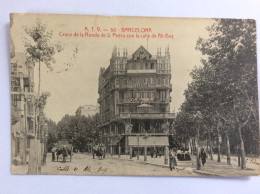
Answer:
(100, 153)
(66, 152)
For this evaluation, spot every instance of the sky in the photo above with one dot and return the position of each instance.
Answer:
(76, 84)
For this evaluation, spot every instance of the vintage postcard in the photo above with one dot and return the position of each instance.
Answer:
(111, 95)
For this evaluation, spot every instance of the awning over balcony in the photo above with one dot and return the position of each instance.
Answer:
(145, 106)
(142, 141)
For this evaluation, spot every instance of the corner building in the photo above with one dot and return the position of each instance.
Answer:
(134, 97)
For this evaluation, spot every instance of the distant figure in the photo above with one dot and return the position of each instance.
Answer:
(203, 156)
(152, 153)
(172, 158)
(157, 153)
(53, 151)
(179, 155)
(64, 153)
(94, 153)
(160, 153)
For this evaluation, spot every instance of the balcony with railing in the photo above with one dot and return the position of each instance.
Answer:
(136, 115)
(143, 85)
(143, 100)
(15, 89)
(141, 71)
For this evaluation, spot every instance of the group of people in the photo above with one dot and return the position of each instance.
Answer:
(182, 155)
(64, 151)
(156, 153)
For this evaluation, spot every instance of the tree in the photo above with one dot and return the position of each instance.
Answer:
(79, 130)
(231, 53)
(224, 88)
(40, 48)
(52, 134)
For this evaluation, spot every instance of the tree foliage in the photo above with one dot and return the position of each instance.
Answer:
(224, 88)
(79, 130)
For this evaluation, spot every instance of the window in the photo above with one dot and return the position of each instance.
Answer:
(145, 80)
(141, 54)
(163, 80)
(152, 95)
(145, 95)
(130, 81)
(152, 65)
(163, 96)
(121, 81)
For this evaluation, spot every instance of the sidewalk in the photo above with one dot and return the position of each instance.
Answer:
(211, 168)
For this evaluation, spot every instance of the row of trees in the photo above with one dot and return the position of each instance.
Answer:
(80, 131)
(221, 102)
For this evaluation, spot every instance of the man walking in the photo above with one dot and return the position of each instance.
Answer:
(203, 156)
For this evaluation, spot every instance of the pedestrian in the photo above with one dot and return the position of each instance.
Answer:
(203, 156)
(64, 153)
(53, 151)
(173, 162)
(94, 153)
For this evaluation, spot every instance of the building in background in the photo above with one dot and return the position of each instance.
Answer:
(134, 98)
(87, 110)
(22, 105)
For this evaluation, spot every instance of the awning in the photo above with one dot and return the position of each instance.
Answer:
(142, 141)
(145, 106)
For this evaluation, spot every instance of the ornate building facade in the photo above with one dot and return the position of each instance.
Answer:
(23, 106)
(134, 97)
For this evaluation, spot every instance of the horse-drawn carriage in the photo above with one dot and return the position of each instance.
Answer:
(64, 148)
(99, 151)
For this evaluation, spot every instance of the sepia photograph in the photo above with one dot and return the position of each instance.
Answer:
(138, 96)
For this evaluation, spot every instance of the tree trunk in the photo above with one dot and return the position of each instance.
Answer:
(191, 149)
(238, 156)
(242, 147)
(218, 144)
(194, 147)
(39, 81)
(228, 149)
(145, 153)
(198, 167)
(210, 145)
